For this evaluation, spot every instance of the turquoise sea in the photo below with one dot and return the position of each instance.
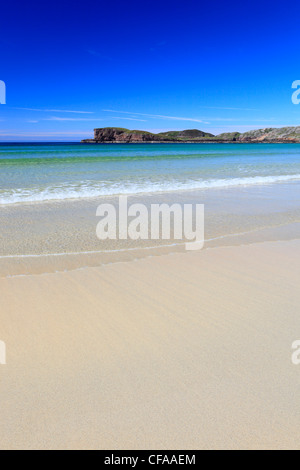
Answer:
(43, 172)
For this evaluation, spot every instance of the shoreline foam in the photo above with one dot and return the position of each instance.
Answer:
(46, 195)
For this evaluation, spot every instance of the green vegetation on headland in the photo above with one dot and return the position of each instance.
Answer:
(122, 135)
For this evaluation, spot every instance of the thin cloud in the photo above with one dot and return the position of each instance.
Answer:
(98, 54)
(259, 125)
(174, 118)
(42, 134)
(55, 110)
(158, 45)
(129, 119)
(63, 119)
(230, 109)
(241, 119)
(55, 118)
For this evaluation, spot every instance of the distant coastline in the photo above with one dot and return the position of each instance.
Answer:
(117, 135)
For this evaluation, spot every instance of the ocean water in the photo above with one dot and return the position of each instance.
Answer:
(45, 172)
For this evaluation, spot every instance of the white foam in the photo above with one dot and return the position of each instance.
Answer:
(91, 189)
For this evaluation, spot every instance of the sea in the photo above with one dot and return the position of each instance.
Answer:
(68, 171)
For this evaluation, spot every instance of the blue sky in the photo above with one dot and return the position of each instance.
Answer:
(216, 66)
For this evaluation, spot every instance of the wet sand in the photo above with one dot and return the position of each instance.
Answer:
(137, 345)
(179, 351)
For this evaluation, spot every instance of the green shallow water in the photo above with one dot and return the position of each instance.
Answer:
(43, 172)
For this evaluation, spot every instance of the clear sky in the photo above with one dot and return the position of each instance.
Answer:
(212, 65)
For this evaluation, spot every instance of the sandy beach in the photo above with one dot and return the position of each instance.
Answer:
(180, 351)
(149, 228)
(123, 344)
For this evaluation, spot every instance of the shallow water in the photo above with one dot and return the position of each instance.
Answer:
(45, 172)
(57, 236)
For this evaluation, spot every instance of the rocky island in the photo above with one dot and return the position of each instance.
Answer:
(111, 135)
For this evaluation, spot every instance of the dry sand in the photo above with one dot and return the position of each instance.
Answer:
(182, 351)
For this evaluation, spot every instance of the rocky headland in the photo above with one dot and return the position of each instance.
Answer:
(121, 135)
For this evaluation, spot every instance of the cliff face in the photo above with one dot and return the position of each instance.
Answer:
(117, 134)
(121, 135)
